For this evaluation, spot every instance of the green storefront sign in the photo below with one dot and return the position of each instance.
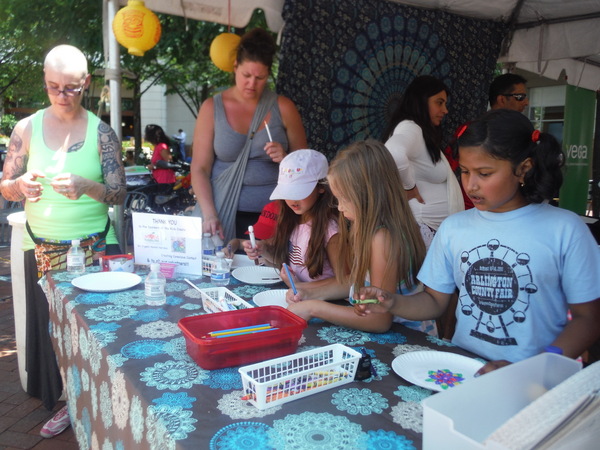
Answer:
(578, 142)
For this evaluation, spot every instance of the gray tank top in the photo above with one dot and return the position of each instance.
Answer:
(261, 173)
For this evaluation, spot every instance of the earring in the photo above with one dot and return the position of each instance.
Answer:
(522, 184)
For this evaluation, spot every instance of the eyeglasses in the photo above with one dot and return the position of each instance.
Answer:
(518, 97)
(67, 92)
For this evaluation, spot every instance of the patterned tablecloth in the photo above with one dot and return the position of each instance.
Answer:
(131, 384)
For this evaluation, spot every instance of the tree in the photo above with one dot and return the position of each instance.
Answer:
(179, 61)
(30, 28)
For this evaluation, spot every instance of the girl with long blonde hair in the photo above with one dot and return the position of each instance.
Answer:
(380, 241)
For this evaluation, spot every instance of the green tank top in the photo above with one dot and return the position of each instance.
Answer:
(55, 216)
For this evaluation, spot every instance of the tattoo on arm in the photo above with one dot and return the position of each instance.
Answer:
(112, 165)
(15, 165)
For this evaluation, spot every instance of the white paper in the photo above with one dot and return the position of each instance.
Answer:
(168, 239)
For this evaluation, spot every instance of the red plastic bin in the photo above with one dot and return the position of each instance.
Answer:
(215, 353)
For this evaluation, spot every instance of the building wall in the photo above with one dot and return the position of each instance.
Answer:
(153, 106)
(168, 111)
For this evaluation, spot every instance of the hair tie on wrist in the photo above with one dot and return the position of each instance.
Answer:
(535, 136)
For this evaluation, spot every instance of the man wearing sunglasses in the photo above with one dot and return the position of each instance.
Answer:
(508, 91)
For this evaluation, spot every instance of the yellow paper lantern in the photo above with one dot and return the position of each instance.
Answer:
(136, 28)
(223, 51)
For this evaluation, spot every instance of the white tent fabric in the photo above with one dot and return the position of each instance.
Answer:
(552, 38)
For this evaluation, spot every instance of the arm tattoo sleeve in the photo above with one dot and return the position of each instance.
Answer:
(112, 165)
(15, 165)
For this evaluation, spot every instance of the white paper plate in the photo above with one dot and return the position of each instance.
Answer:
(428, 369)
(107, 281)
(256, 275)
(273, 297)
(241, 261)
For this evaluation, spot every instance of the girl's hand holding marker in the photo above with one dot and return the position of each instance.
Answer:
(252, 241)
(289, 275)
(358, 301)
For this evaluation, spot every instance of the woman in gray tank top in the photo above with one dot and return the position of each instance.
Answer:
(224, 125)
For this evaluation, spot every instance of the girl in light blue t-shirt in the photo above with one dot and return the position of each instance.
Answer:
(520, 264)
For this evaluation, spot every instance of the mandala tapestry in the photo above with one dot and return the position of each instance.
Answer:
(346, 64)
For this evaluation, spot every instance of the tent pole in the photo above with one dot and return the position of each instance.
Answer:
(113, 75)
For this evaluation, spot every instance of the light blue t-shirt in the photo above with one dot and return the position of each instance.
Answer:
(517, 272)
(426, 326)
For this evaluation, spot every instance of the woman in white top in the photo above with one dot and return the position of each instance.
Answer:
(414, 139)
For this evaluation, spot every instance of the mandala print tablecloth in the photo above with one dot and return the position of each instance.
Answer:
(131, 384)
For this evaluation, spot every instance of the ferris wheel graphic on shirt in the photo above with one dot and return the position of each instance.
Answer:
(496, 291)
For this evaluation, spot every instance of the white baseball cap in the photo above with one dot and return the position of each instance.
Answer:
(299, 173)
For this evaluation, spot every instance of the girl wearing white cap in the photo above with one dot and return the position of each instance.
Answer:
(306, 238)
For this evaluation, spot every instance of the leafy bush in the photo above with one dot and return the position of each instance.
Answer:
(7, 123)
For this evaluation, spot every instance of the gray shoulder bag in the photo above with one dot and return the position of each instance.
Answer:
(227, 186)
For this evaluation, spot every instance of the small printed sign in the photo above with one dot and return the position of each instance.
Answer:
(168, 239)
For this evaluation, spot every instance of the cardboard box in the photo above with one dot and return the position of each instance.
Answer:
(462, 418)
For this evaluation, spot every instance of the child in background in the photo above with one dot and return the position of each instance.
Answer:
(380, 241)
(306, 235)
(161, 155)
(520, 264)
(264, 228)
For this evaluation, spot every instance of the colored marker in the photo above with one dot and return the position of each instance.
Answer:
(242, 333)
(252, 241)
(268, 327)
(366, 301)
(262, 325)
(287, 271)
(268, 131)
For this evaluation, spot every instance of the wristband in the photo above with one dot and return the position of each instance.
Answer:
(411, 188)
(553, 349)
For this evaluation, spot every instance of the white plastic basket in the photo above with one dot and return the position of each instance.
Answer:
(209, 261)
(220, 299)
(280, 380)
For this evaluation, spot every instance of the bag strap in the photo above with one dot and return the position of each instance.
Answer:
(228, 185)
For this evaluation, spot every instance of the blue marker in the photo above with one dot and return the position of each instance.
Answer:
(262, 325)
(289, 275)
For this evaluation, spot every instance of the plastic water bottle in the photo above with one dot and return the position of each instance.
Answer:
(219, 244)
(219, 275)
(155, 286)
(76, 258)
(208, 254)
(208, 246)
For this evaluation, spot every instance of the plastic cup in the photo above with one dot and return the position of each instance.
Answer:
(168, 269)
